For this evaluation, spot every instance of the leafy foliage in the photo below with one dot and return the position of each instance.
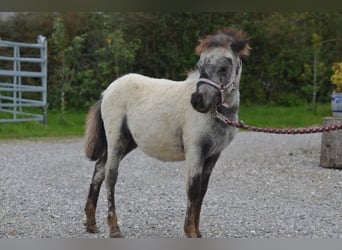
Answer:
(87, 51)
(336, 78)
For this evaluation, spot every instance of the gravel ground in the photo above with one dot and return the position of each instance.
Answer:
(263, 186)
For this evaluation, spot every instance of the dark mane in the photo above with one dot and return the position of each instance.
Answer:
(223, 38)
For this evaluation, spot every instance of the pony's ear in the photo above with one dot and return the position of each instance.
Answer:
(201, 35)
(241, 47)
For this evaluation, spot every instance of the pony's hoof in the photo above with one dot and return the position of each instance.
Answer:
(116, 234)
(193, 234)
(92, 228)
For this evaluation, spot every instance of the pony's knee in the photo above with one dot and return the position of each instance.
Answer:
(99, 174)
(194, 187)
(111, 175)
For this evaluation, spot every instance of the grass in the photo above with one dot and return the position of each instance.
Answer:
(73, 125)
(284, 117)
(261, 116)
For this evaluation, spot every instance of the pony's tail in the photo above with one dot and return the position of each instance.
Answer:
(95, 137)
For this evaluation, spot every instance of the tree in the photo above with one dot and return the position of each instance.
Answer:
(67, 54)
(314, 73)
(98, 47)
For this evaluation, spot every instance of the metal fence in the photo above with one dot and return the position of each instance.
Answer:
(23, 81)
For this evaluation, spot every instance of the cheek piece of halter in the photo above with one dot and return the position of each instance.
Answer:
(220, 87)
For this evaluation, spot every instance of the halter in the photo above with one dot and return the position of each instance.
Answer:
(220, 87)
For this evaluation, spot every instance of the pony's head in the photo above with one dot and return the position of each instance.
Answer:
(219, 67)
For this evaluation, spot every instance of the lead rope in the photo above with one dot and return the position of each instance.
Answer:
(240, 124)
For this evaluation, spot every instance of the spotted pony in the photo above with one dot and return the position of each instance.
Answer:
(170, 121)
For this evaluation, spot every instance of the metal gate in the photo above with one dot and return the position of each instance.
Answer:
(23, 81)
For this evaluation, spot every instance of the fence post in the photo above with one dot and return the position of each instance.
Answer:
(331, 147)
(43, 54)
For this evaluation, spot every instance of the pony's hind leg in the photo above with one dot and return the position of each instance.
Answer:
(196, 188)
(118, 147)
(111, 178)
(94, 190)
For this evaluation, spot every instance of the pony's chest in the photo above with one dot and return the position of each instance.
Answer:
(221, 140)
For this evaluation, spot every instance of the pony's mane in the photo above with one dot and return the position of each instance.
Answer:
(223, 38)
(193, 74)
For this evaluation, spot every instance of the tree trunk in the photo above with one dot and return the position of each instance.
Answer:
(331, 148)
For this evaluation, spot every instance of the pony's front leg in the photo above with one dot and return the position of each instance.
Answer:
(191, 224)
(197, 184)
(111, 178)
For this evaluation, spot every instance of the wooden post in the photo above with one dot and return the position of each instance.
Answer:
(331, 148)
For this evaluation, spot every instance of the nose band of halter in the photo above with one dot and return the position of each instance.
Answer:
(220, 87)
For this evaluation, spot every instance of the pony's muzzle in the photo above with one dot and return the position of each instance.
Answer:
(197, 102)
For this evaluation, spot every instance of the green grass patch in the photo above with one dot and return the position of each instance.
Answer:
(284, 117)
(260, 116)
(72, 125)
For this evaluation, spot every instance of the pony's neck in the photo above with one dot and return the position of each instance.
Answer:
(193, 75)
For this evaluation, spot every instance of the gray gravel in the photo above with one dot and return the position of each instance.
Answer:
(263, 186)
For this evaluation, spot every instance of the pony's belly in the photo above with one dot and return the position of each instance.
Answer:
(172, 151)
(165, 155)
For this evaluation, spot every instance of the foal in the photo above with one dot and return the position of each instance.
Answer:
(168, 120)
